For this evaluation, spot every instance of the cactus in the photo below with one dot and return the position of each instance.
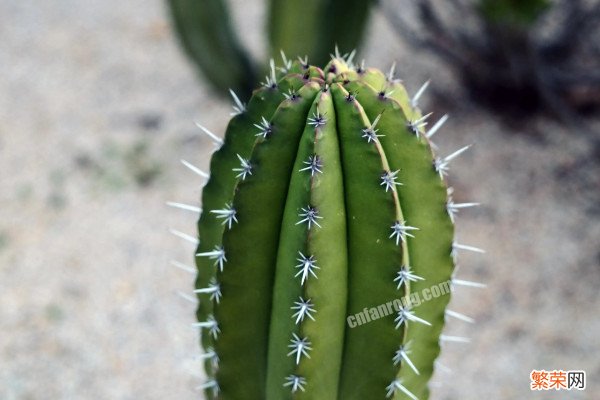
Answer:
(308, 28)
(325, 210)
(209, 40)
(331, 23)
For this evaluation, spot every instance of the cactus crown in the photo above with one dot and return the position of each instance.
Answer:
(325, 211)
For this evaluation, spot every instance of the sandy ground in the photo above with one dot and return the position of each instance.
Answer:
(97, 107)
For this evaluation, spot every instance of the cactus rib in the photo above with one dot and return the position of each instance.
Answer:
(251, 247)
(218, 192)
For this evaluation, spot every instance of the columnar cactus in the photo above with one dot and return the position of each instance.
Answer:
(325, 210)
(300, 28)
(313, 27)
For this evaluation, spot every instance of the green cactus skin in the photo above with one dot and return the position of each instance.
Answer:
(332, 23)
(325, 199)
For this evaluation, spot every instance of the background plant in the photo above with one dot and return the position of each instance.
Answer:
(515, 56)
(310, 28)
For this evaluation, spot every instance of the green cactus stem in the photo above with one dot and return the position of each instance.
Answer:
(325, 212)
(206, 35)
(314, 27)
(298, 28)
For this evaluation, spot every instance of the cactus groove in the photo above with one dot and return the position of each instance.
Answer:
(324, 201)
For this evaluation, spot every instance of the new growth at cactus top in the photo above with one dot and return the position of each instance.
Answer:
(324, 198)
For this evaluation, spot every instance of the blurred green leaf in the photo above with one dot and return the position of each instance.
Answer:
(513, 12)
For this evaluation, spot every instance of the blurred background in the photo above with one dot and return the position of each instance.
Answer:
(97, 106)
